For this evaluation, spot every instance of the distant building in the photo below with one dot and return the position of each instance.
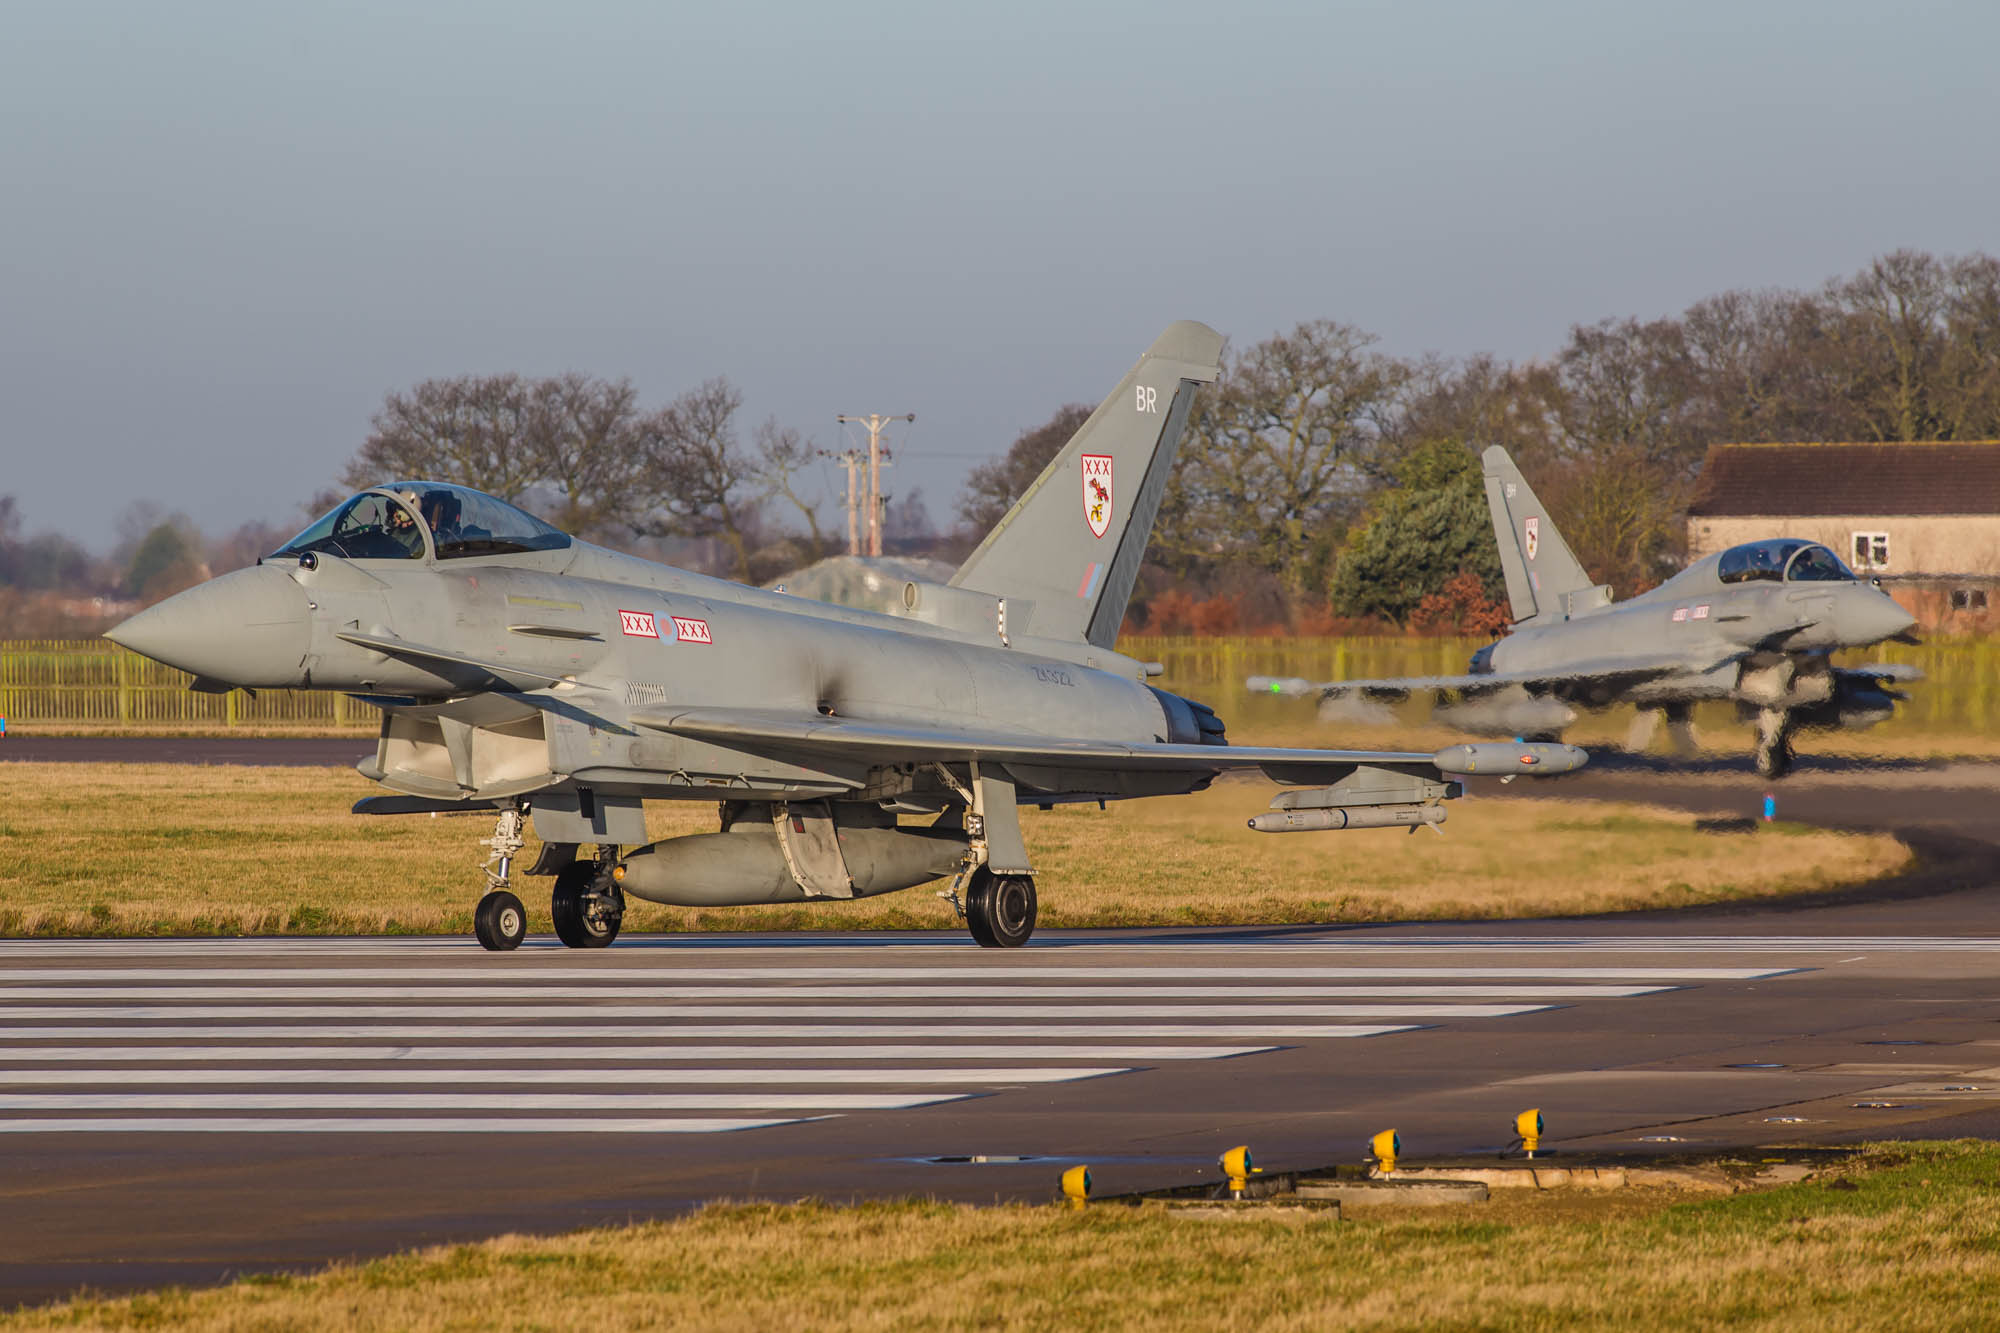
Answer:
(1922, 518)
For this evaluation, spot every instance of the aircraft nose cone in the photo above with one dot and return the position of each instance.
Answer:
(251, 627)
(1873, 618)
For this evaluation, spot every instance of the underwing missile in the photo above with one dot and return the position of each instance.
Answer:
(1338, 817)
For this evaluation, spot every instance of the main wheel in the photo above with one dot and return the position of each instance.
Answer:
(500, 921)
(1000, 909)
(584, 919)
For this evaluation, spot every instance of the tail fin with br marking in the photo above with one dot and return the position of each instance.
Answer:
(1545, 581)
(1066, 555)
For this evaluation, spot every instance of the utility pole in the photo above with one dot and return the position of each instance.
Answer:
(852, 462)
(876, 460)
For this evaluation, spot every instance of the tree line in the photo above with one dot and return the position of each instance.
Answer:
(1322, 483)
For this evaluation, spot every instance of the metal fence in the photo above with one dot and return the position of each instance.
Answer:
(96, 684)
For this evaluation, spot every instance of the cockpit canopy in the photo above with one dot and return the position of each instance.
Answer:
(1781, 558)
(404, 520)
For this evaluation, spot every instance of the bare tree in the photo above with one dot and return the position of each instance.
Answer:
(697, 480)
(992, 488)
(782, 455)
(471, 429)
(1281, 453)
(582, 441)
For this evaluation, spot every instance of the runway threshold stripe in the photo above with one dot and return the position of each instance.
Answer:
(593, 1077)
(386, 1125)
(971, 973)
(626, 1054)
(598, 1031)
(806, 1016)
(469, 1101)
(1110, 990)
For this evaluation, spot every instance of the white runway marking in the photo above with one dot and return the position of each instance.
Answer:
(527, 972)
(687, 1030)
(467, 1101)
(592, 1077)
(385, 1125)
(622, 1054)
(671, 948)
(1109, 991)
(805, 1014)
(792, 1031)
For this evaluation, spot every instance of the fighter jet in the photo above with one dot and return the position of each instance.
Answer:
(555, 683)
(1757, 624)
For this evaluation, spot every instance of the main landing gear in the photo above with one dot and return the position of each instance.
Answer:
(586, 915)
(585, 903)
(1000, 909)
(1774, 743)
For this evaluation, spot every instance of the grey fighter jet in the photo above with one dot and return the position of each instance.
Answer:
(1756, 624)
(526, 673)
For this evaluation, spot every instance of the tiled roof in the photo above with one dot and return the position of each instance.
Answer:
(1812, 479)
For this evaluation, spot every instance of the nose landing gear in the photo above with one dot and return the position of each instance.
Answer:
(500, 922)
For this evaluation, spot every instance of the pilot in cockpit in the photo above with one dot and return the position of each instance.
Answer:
(441, 513)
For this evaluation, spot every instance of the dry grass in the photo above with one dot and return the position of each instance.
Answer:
(135, 849)
(1911, 1245)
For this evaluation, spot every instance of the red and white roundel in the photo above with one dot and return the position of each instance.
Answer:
(1097, 493)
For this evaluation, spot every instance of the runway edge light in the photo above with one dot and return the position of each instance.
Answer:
(1237, 1166)
(1076, 1186)
(1528, 1125)
(1387, 1147)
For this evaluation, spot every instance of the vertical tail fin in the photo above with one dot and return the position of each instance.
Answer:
(1066, 555)
(1544, 579)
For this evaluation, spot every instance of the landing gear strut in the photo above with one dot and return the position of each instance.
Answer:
(1774, 743)
(500, 922)
(586, 905)
(1000, 909)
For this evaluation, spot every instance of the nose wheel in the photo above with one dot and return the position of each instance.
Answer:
(500, 922)
(1000, 909)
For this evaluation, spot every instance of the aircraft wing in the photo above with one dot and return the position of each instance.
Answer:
(1609, 670)
(778, 733)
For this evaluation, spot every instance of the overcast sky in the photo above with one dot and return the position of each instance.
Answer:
(228, 229)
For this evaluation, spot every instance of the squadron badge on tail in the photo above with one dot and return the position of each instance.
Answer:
(1097, 493)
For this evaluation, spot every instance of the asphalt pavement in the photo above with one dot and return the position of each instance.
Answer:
(185, 1110)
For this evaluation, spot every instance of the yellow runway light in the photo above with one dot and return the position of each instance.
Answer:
(1236, 1165)
(1528, 1125)
(1387, 1146)
(1076, 1186)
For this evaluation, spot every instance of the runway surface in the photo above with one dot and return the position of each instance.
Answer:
(184, 1110)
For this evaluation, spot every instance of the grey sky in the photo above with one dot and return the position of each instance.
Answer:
(228, 229)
